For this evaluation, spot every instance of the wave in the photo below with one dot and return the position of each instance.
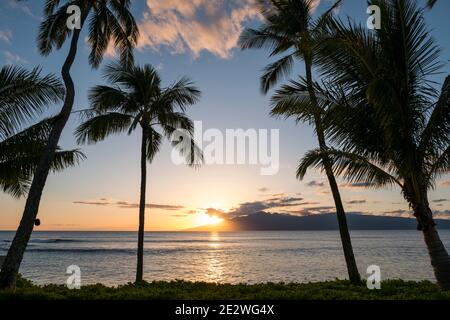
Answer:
(110, 250)
(54, 240)
(186, 241)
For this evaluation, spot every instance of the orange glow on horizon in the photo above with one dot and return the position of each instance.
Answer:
(205, 219)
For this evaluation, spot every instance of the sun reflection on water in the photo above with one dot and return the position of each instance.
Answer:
(214, 263)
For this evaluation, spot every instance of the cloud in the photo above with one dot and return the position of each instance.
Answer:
(216, 212)
(18, 5)
(128, 205)
(263, 189)
(6, 35)
(92, 203)
(281, 194)
(196, 25)
(442, 214)
(308, 203)
(247, 208)
(440, 200)
(12, 58)
(315, 183)
(397, 213)
(277, 196)
(357, 185)
(445, 183)
(308, 211)
(356, 202)
(437, 214)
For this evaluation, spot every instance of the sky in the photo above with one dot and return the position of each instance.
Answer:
(196, 38)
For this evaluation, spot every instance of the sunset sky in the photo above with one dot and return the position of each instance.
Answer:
(197, 38)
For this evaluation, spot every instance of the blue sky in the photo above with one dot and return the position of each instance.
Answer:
(186, 38)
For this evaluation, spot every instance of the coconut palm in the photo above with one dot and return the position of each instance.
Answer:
(108, 21)
(290, 29)
(137, 99)
(390, 123)
(24, 95)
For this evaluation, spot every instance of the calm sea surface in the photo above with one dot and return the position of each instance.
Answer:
(261, 256)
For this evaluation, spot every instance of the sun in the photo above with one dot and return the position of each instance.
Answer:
(205, 219)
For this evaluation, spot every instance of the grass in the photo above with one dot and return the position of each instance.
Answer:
(183, 290)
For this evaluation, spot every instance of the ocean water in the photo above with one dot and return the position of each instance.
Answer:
(233, 257)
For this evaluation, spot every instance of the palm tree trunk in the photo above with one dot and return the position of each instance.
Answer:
(140, 251)
(440, 260)
(14, 257)
(352, 267)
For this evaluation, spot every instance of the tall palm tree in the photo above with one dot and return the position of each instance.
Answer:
(289, 27)
(107, 20)
(24, 95)
(136, 99)
(391, 124)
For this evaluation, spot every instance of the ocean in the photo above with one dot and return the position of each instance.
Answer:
(226, 257)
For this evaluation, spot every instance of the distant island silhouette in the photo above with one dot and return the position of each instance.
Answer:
(264, 221)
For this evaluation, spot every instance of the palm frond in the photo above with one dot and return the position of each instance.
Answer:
(431, 3)
(275, 71)
(99, 126)
(153, 143)
(105, 98)
(16, 170)
(436, 135)
(137, 99)
(66, 158)
(25, 94)
(181, 94)
(20, 155)
(108, 22)
(350, 166)
(293, 100)
(53, 30)
(183, 142)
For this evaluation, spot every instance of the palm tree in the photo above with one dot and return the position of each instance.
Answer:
(390, 123)
(136, 98)
(23, 96)
(107, 20)
(290, 27)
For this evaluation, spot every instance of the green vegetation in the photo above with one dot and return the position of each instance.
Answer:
(178, 290)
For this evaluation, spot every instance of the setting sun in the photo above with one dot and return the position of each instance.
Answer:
(206, 219)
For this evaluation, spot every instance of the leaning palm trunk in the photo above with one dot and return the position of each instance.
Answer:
(140, 251)
(14, 257)
(440, 260)
(352, 267)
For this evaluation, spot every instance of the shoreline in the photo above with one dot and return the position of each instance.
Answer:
(185, 290)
